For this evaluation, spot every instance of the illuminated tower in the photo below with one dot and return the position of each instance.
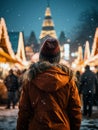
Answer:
(47, 26)
(21, 51)
(87, 51)
(78, 63)
(95, 44)
(80, 54)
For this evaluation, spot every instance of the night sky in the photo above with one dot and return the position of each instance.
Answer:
(28, 15)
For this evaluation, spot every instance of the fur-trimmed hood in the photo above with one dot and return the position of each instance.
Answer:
(47, 76)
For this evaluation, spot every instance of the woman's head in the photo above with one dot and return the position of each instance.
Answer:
(50, 51)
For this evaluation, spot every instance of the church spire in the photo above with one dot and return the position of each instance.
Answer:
(48, 25)
(21, 51)
(86, 51)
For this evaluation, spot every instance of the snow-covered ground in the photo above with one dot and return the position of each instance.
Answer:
(89, 124)
(8, 119)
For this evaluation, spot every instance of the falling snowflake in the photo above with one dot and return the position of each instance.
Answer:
(92, 19)
(39, 18)
(90, 36)
(19, 15)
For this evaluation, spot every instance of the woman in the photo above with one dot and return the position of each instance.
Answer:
(50, 99)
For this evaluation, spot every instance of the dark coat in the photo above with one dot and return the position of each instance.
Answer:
(11, 82)
(49, 100)
(97, 87)
(88, 82)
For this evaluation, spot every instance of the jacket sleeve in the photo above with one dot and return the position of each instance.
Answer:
(25, 111)
(74, 107)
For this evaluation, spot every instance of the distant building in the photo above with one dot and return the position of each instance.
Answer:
(29, 52)
(47, 26)
(11, 53)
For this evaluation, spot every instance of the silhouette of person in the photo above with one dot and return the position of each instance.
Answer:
(20, 80)
(11, 82)
(96, 92)
(87, 88)
(50, 99)
(78, 75)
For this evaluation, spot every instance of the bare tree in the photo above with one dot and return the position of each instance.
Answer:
(88, 22)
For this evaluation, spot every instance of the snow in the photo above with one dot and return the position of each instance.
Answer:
(8, 118)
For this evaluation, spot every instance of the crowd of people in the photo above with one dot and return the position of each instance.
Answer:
(50, 92)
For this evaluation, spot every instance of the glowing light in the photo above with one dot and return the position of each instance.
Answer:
(66, 51)
(73, 65)
(74, 54)
(92, 68)
(4, 66)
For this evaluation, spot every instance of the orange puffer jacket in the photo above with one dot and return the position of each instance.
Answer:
(49, 101)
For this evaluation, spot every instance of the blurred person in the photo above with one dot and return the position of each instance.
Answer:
(20, 81)
(87, 88)
(11, 83)
(19, 75)
(96, 92)
(78, 75)
(49, 99)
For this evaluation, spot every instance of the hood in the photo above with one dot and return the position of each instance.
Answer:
(51, 80)
(49, 77)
